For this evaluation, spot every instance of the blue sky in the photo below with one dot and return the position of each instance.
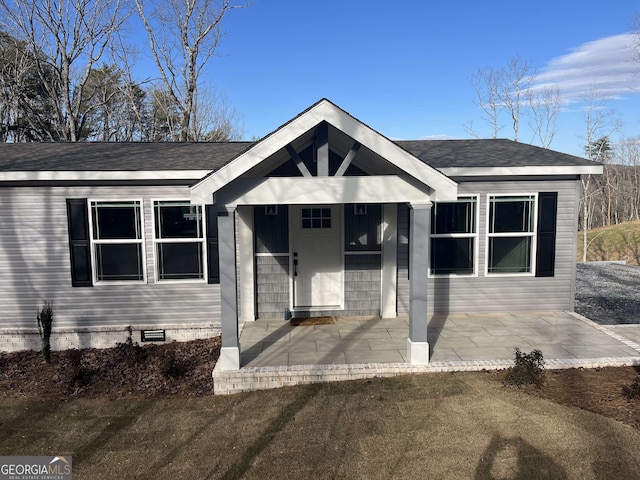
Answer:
(404, 67)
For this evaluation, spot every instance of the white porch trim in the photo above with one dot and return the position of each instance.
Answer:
(388, 307)
(229, 358)
(417, 352)
(324, 190)
(246, 265)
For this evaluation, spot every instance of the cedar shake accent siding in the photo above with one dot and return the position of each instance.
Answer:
(501, 292)
(272, 286)
(35, 266)
(362, 284)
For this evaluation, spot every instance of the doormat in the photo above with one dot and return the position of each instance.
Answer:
(308, 321)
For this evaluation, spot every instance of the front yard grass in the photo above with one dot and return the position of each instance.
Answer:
(460, 425)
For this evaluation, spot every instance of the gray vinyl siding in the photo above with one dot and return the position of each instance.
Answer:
(272, 286)
(450, 294)
(35, 265)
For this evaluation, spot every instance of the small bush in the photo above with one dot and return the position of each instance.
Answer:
(45, 326)
(527, 368)
(73, 372)
(129, 351)
(633, 391)
(171, 366)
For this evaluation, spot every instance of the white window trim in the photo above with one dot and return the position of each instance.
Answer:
(533, 235)
(156, 241)
(475, 236)
(94, 242)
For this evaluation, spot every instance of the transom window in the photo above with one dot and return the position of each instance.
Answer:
(316, 218)
(116, 241)
(510, 234)
(453, 237)
(179, 240)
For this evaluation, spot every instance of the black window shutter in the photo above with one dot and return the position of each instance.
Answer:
(546, 247)
(79, 243)
(213, 267)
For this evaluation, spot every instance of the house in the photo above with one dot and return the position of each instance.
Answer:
(323, 216)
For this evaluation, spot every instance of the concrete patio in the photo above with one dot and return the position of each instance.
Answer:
(274, 353)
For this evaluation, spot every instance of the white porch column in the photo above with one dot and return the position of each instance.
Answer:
(230, 351)
(245, 261)
(417, 345)
(389, 260)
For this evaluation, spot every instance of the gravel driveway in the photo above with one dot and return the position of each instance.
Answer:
(608, 293)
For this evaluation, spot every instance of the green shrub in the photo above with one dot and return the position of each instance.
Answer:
(45, 325)
(527, 368)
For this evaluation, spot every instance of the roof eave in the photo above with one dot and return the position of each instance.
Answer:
(101, 175)
(522, 171)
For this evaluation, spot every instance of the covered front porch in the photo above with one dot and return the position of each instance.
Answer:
(277, 354)
(287, 199)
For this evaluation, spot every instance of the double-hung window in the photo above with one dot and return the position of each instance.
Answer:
(117, 241)
(453, 237)
(511, 233)
(179, 240)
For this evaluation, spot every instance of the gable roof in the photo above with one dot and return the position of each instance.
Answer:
(325, 111)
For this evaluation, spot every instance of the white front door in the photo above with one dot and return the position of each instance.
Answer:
(316, 234)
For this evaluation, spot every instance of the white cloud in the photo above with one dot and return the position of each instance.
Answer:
(605, 66)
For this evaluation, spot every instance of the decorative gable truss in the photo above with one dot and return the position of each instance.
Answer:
(324, 156)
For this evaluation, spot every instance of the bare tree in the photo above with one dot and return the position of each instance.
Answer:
(72, 36)
(510, 91)
(627, 153)
(486, 83)
(215, 119)
(516, 81)
(183, 35)
(544, 106)
(600, 123)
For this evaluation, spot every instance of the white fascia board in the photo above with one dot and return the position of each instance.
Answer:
(326, 111)
(256, 154)
(77, 175)
(521, 171)
(323, 190)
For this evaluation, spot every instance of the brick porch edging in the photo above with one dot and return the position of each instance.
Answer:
(264, 378)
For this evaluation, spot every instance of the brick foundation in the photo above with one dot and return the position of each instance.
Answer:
(15, 339)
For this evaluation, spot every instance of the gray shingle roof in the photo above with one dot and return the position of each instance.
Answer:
(211, 156)
(487, 153)
(98, 156)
